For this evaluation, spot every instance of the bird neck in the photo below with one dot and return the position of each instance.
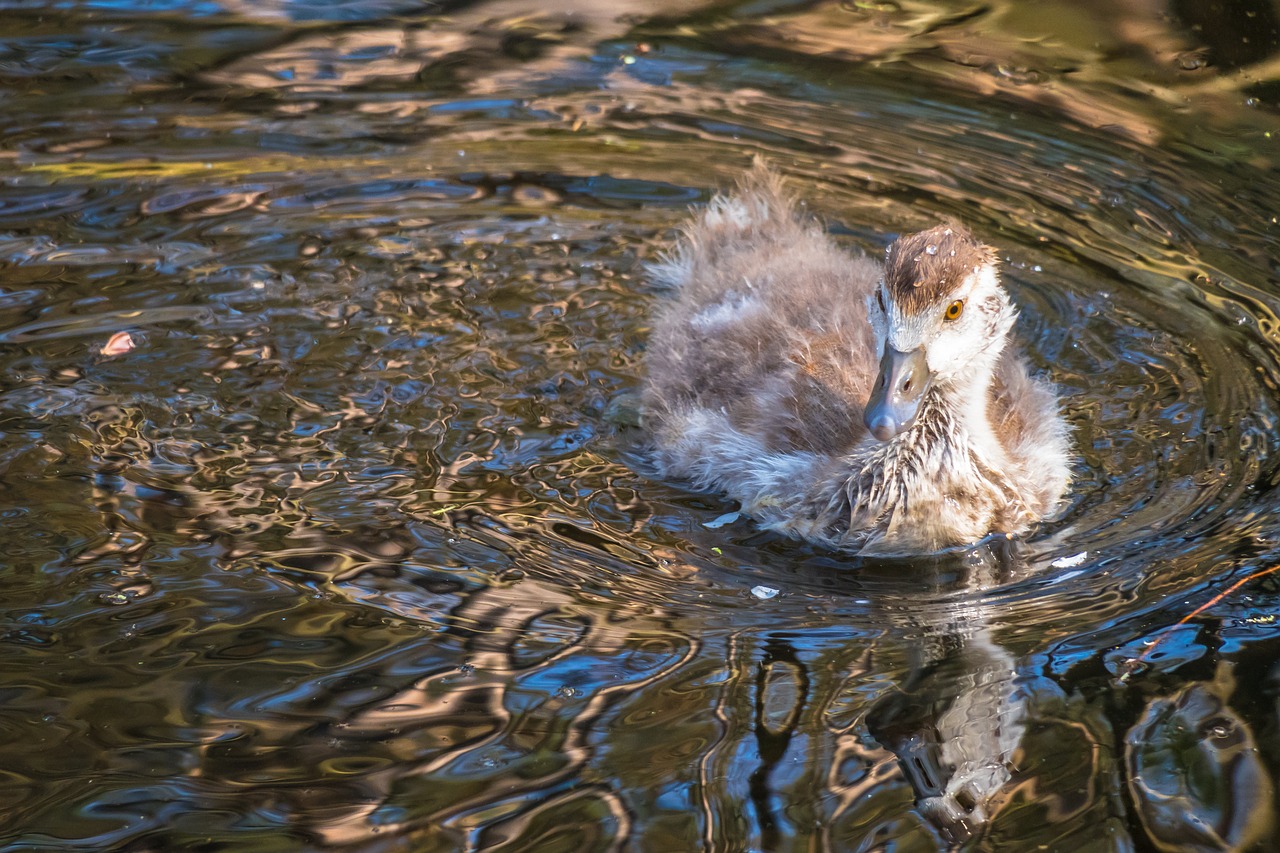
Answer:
(966, 400)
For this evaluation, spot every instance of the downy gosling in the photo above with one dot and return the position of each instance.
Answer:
(867, 408)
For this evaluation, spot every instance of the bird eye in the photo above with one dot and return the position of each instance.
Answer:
(955, 309)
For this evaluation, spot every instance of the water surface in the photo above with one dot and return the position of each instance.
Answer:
(323, 532)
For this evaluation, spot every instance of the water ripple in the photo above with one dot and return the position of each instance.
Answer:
(351, 545)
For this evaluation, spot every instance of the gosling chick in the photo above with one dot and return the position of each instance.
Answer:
(879, 409)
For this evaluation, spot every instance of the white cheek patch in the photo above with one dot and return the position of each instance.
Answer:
(960, 341)
(949, 351)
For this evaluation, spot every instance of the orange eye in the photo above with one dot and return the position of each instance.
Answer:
(955, 309)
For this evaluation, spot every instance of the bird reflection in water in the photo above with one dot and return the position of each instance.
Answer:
(958, 718)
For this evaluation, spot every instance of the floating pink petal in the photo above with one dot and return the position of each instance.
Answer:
(120, 343)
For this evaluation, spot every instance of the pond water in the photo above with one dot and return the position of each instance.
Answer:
(323, 530)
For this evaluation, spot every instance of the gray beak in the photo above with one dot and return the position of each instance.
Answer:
(895, 399)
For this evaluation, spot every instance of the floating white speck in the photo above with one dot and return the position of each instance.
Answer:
(1070, 562)
(764, 593)
(931, 249)
(727, 518)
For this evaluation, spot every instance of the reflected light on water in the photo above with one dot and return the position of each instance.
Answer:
(329, 526)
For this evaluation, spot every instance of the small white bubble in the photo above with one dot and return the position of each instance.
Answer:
(931, 249)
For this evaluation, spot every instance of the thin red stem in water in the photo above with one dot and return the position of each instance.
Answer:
(1203, 607)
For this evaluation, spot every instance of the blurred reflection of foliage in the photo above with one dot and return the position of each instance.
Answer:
(1195, 774)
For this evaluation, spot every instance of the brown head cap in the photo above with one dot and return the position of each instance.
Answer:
(922, 268)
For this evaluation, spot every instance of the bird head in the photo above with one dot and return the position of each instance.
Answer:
(940, 318)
